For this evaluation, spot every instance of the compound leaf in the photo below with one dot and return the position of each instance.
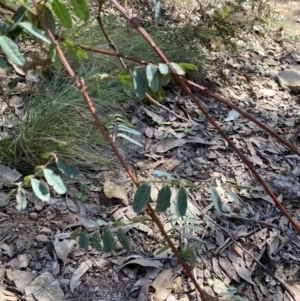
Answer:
(233, 195)
(188, 66)
(216, 199)
(40, 190)
(178, 69)
(11, 50)
(62, 13)
(108, 241)
(76, 233)
(68, 170)
(139, 83)
(123, 239)
(163, 199)
(55, 181)
(141, 197)
(83, 241)
(49, 19)
(21, 199)
(152, 78)
(125, 79)
(80, 9)
(96, 239)
(35, 31)
(181, 201)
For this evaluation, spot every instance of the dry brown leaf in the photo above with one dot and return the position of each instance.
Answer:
(21, 278)
(63, 248)
(163, 285)
(241, 269)
(112, 190)
(227, 267)
(143, 262)
(79, 272)
(42, 287)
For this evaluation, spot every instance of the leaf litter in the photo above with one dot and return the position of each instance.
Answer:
(192, 151)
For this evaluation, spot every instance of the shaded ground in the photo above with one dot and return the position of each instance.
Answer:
(287, 13)
(267, 268)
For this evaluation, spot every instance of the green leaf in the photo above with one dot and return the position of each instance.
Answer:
(128, 130)
(19, 14)
(177, 68)
(188, 66)
(191, 220)
(49, 19)
(216, 199)
(164, 69)
(80, 9)
(194, 228)
(76, 233)
(40, 190)
(233, 195)
(125, 79)
(129, 139)
(141, 197)
(35, 31)
(108, 241)
(68, 170)
(4, 28)
(152, 78)
(190, 236)
(54, 58)
(163, 199)
(46, 155)
(139, 83)
(239, 298)
(83, 241)
(39, 171)
(181, 201)
(165, 79)
(55, 181)
(123, 239)
(11, 50)
(27, 180)
(192, 257)
(96, 240)
(81, 54)
(241, 187)
(6, 200)
(3, 64)
(163, 249)
(156, 10)
(21, 199)
(189, 184)
(160, 173)
(62, 13)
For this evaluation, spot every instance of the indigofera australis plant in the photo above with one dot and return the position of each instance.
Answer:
(147, 80)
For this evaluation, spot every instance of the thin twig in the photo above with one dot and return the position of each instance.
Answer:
(248, 220)
(209, 93)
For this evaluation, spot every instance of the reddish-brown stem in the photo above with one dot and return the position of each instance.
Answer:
(187, 89)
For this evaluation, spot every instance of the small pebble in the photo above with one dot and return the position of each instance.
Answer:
(33, 216)
(42, 238)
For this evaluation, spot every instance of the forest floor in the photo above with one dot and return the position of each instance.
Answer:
(250, 246)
